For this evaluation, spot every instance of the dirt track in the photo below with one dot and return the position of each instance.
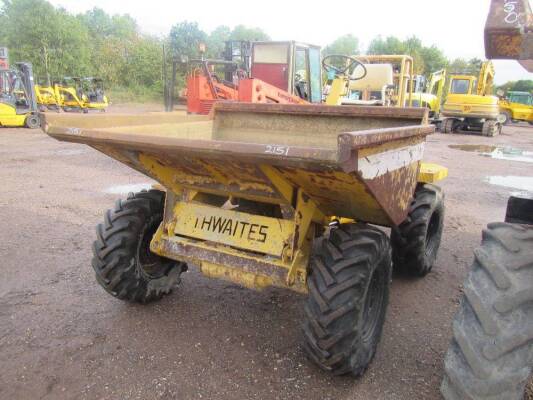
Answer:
(63, 337)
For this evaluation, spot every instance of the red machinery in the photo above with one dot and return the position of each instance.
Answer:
(4, 64)
(279, 72)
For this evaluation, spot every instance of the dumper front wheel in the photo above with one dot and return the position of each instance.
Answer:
(416, 241)
(124, 265)
(348, 296)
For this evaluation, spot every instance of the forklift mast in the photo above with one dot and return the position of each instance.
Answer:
(26, 75)
(238, 52)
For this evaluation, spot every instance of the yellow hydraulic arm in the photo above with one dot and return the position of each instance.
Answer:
(437, 79)
(486, 79)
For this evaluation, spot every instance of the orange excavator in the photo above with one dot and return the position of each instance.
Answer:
(268, 72)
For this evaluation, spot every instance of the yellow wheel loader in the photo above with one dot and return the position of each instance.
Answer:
(469, 105)
(281, 195)
(18, 106)
(515, 107)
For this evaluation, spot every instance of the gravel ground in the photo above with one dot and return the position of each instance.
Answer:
(63, 337)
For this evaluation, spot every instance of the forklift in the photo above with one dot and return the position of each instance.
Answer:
(18, 105)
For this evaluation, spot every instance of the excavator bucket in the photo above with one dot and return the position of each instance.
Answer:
(509, 32)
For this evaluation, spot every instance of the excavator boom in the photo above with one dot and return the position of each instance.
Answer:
(485, 79)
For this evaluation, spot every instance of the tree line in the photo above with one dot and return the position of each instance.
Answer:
(112, 47)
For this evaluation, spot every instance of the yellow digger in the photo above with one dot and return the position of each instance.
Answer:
(70, 94)
(17, 97)
(47, 97)
(469, 104)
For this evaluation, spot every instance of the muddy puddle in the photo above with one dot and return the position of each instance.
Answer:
(125, 189)
(522, 183)
(497, 152)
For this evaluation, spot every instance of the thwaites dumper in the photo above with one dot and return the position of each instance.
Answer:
(273, 195)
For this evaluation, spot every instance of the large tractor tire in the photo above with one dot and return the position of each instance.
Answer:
(491, 352)
(33, 121)
(490, 128)
(416, 241)
(348, 296)
(124, 265)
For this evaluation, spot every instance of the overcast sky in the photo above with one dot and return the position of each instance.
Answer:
(456, 26)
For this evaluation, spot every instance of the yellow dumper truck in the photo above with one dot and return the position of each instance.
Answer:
(273, 195)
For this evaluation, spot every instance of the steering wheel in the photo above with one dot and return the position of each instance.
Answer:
(350, 62)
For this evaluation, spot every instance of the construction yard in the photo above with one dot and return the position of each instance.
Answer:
(63, 337)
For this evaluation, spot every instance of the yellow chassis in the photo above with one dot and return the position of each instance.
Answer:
(221, 233)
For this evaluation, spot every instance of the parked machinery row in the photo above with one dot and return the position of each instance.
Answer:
(72, 94)
(289, 72)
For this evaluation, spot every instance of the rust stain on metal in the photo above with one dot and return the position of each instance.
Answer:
(509, 30)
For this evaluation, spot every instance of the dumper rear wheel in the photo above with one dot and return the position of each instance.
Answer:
(348, 296)
(415, 243)
(491, 351)
(124, 265)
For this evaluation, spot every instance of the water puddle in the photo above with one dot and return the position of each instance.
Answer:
(497, 152)
(125, 189)
(523, 183)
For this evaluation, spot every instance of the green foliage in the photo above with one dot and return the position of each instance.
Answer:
(346, 45)
(51, 39)
(216, 39)
(185, 39)
(434, 59)
(426, 59)
(102, 25)
(465, 67)
(241, 32)
(95, 43)
(524, 85)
